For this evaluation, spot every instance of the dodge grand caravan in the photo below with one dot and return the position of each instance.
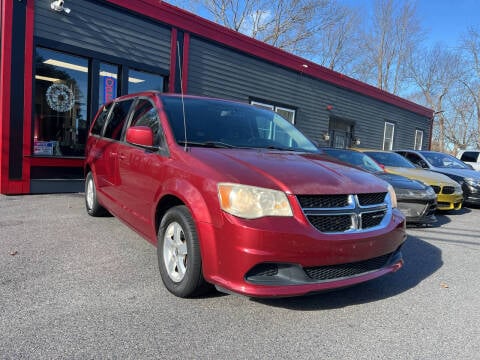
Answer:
(236, 197)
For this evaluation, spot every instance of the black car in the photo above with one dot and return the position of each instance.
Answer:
(416, 200)
(449, 165)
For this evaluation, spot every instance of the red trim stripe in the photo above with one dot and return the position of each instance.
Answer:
(173, 61)
(186, 51)
(194, 24)
(5, 81)
(28, 91)
(57, 162)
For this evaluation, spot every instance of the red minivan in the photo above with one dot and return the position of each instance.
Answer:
(236, 197)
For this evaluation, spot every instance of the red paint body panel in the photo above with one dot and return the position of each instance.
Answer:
(131, 181)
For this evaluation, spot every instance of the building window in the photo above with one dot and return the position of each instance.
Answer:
(268, 130)
(142, 81)
(388, 134)
(418, 139)
(262, 105)
(61, 88)
(286, 113)
(107, 83)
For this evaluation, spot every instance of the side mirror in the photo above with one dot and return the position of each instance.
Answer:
(140, 135)
(423, 164)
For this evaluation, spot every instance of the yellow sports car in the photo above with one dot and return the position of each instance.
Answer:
(449, 192)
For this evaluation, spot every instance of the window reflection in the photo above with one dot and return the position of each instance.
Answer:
(108, 83)
(61, 86)
(143, 81)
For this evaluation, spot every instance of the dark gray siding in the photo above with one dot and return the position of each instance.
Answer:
(105, 30)
(218, 71)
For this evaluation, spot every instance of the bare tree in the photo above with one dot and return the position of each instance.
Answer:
(336, 43)
(291, 25)
(460, 128)
(435, 73)
(387, 42)
(471, 50)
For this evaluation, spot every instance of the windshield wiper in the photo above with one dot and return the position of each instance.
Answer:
(273, 147)
(208, 144)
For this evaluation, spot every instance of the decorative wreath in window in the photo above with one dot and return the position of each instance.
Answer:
(60, 97)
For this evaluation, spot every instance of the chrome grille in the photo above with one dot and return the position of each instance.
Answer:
(371, 199)
(346, 213)
(325, 201)
(339, 223)
(373, 219)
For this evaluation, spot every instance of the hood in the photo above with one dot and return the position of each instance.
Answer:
(462, 173)
(401, 182)
(426, 176)
(291, 172)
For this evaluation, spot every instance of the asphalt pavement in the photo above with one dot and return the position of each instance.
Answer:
(77, 287)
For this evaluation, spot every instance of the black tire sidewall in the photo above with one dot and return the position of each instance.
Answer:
(193, 279)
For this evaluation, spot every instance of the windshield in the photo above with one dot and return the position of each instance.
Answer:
(355, 158)
(219, 123)
(444, 161)
(390, 159)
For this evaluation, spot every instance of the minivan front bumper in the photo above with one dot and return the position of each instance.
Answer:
(280, 257)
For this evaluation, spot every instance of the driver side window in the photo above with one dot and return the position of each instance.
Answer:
(417, 160)
(145, 114)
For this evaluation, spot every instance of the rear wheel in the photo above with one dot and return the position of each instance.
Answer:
(91, 203)
(178, 252)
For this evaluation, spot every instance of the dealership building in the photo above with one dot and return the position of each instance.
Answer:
(60, 61)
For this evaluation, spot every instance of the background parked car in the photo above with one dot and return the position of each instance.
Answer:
(449, 192)
(452, 167)
(416, 200)
(471, 157)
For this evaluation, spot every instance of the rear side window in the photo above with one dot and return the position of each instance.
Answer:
(117, 119)
(100, 121)
(470, 156)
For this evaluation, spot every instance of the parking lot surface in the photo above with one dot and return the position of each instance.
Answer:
(77, 287)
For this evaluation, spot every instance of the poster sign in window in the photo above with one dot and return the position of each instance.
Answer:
(44, 147)
(109, 88)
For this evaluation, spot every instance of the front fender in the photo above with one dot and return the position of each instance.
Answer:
(206, 214)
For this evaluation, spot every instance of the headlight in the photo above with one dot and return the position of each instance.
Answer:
(252, 202)
(430, 192)
(458, 190)
(426, 193)
(473, 182)
(393, 196)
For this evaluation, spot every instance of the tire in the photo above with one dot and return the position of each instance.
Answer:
(178, 252)
(91, 203)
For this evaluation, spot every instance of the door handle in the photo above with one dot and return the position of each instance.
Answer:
(122, 156)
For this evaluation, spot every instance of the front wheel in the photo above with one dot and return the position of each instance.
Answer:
(178, 252)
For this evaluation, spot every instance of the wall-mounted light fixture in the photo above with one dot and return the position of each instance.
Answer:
(356, 140)
(326, 136)
(58, 6)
